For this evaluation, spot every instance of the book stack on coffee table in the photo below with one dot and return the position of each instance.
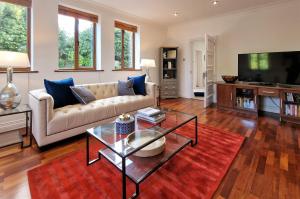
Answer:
(151, 115)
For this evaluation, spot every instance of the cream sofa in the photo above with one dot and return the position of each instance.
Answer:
(51, 125)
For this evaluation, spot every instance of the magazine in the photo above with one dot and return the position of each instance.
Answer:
(148, 111)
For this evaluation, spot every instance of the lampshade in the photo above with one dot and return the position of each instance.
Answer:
(14, 59)
(148, 63)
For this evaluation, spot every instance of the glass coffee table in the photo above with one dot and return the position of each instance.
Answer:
(121, 155)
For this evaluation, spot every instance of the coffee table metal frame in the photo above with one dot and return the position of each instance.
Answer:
(123, 157)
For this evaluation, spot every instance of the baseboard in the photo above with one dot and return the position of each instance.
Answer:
(12, 125)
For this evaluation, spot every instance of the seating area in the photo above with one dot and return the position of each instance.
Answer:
(106, 99)
(51, 125)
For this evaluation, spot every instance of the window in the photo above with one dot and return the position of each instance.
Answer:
(124, 46)
(77, 39)
(15, 16)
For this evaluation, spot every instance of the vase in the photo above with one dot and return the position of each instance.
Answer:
(9, 95)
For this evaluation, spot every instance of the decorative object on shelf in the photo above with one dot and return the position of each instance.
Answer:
(165, 55)
(147, 64)
(9, 95)
(141, 137)
(125, 124)
(245, 103)
(292, 105)
(172, 54)
(169, 65)
(229, 78)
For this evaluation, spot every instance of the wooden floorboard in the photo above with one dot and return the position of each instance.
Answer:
(267, 166)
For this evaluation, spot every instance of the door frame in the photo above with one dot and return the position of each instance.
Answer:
(207, 102)
(201, 39)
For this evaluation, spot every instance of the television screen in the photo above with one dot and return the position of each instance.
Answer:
(273, 67)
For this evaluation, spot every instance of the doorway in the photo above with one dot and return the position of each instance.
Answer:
(198, 49)
(203, 69)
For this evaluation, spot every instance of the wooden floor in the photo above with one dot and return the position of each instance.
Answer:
(268, 165)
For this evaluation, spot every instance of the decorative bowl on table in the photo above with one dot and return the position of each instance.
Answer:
(229, 78)
(141, 137)
(125, 124)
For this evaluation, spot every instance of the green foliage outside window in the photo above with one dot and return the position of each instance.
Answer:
(13, 27)
(66, 50)
(128, 43)
(66, 41)
(86, 42)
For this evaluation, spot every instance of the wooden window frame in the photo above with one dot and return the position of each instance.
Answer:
(28, 4)
(76, 14)
(131, 28)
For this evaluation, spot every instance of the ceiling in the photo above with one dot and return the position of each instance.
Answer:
(161, 11)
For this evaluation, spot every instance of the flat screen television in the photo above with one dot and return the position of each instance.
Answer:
(270, 67)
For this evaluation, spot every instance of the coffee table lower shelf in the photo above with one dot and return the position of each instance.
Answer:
(138, 168)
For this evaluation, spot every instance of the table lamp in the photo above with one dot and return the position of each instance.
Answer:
(147, 64)
(9, 95)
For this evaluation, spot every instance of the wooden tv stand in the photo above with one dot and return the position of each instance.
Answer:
(244, 97)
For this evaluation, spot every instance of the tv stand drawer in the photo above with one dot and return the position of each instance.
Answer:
(268, 92)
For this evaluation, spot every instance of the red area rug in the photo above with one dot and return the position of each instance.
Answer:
(192, 173)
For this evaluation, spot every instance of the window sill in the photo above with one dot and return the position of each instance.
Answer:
(129, 69)
(80, 70)
(25, 71)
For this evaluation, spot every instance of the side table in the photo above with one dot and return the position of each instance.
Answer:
(14, 137)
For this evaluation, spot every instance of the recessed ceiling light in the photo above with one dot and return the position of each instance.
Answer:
(215, 2)
(176, 14)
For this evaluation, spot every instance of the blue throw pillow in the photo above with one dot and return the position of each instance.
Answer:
(61, 92)
(139, 84)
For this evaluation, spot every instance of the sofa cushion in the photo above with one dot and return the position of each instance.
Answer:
(103, 90)
(82, 94)
(139, 86)
(78, 115)
(125, 88)
(74, 116)
(126, 104)
(61, 92)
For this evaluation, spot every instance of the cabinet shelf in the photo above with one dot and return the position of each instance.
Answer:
(246, 109)
(227, 95)
(288, 102)
(169, 59)
(168, 72)
(290, 116)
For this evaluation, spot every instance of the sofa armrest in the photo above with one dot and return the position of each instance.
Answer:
(151, 89)
(42, 105)
(37, 96)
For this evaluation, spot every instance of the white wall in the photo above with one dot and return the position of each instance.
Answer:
(45, 49)
(272, 28)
